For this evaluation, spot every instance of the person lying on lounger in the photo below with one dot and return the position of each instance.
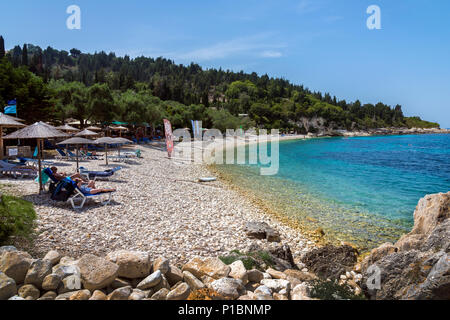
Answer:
(90, 188)
(62, 175)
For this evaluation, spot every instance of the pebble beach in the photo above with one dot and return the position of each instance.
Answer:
(159, 207)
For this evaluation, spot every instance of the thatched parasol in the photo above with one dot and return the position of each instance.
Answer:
(121, 141)
(11, 117)
(7, 122)
(120, 129)
(77, 141)
(105, 141)
(39, 131)
(67, 128)
(86, 133)
(93, 128)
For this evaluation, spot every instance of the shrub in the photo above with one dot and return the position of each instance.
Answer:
(251, 260)
(16, 218)
(332, 290)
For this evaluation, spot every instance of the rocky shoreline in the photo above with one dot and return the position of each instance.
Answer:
(416, 267)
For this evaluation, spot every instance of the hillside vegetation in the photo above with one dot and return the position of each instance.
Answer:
(56, 85)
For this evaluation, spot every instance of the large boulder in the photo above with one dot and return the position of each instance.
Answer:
(180, 292)
(97, 273)
(239, 272)
(261, 230)
(417, 267)
(212, 267)
(174, 275)
(228, 288)
(53, 256)
(132, 264)
(39, 269)
(29, 291)
(8, 287)
(15, 264)
(331, 261)
(151, 281)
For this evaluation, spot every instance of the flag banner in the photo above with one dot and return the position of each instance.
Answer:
(12, 102)
(197, 129)
(169, 137)
(11, 110)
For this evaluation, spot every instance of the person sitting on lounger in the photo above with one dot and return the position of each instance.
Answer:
(61, 175)
(90, 188)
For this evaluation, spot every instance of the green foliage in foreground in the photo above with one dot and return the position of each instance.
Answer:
(416, 122)
(16, 218)
(251, 260)
(332, 290)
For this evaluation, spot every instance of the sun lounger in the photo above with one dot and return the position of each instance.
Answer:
(72, 156)
(61, 155)
(15, 170)
(34, 162)
(94, 175)
(82, 198)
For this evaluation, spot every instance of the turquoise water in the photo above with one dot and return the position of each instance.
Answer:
(361, 189)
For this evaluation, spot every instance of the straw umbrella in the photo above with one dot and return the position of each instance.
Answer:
(67, 128)
(86, 133)
(93, 128)
(120, 129)
(7, 122)
(11, 117)
(121, 141)
(39, 131)
(77, 141)
(105, 141)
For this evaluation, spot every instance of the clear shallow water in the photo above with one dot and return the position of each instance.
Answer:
(363, 190)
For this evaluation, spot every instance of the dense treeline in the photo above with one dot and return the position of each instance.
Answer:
(103, 87)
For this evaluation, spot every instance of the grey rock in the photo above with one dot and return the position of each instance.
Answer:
(8, 287)
(151, 281)
(192, 281)
(39, 269)
(228, 288)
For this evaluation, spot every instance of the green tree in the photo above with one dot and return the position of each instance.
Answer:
(2, 47)
(25, 55)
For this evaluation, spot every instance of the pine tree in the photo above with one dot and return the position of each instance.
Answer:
(2, 47)
(25, 55)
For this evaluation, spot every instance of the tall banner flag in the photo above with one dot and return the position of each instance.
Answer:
(169, 137)
(197, 129)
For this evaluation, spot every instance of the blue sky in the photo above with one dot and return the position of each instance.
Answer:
(323, 44)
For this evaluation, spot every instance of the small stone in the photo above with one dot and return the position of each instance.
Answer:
(255, 275)
(138, 295)
(276, 284)
(16, 298)
(238, 271)
(212, 267)
(207, 280)
(81, 295)
(151, 281)
(192, 281)
(50, 295)
(181, 292)
(65, 296)
(174, 275)
(53, 256)
(228, 288)
(70, 283)
(300, 292)
(51, 282)
(266, 275)
(161, 294)
(39, 269)
(300, 275)
(278, 296)
(66, 270)
(161, 264)
(343, 277)
(8, 287)
(120, 294)
(276, 274)
(29, 290)
(120, 283)
(98, 295)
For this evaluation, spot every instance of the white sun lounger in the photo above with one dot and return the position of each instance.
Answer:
(81, 198)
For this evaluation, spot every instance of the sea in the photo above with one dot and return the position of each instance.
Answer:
(361, 190)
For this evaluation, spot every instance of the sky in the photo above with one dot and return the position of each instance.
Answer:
(323, 44)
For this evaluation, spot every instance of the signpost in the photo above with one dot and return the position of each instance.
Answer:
(169, 137)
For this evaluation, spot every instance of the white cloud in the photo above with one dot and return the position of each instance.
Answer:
(271, 54)
(251, 46)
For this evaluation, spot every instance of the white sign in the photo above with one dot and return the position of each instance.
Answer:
(13, 152)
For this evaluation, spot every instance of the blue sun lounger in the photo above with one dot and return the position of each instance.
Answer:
(94, 175)
(15, 170)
